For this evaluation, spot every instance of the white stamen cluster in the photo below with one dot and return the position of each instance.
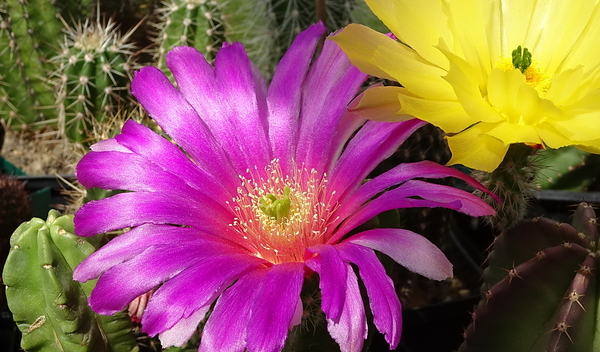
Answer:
(284, 239)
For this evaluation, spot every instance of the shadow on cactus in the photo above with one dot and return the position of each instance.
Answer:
(542, 292)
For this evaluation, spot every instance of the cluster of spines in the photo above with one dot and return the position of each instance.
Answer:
(541, 288)
(92, 76)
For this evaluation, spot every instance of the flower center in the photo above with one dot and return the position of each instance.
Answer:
(535, 75)
(281, 215)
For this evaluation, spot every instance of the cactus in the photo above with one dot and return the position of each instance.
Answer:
(568, 168)
(92, 77)
(49, 307)
(513, 181)
(196, 23)
(542, 292)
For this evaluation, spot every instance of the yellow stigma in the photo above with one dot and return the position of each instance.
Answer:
(535, 75)
(281, 215)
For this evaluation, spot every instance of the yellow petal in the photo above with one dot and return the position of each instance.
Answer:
(552, 137)
(581, 127)
(360, 43)
(447, 115)
(474, 149)
(510, 133)
(567, 87)
(379, 103)
(377, 54)
(467, 88)
(402, 17)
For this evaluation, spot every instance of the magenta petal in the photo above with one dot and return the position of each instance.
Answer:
(373, 143)
(226, 99)
(177, 117)
(284, 94)
(126, 246)
(274, 307)
(132, 209)
(192, 289)
(109, 145)
(402, 173)
(383, 299)
(331, 83)
(408, 249)
(350, 331)
(181, 332)
(332, 279)
(124, 282)
(226, 328)
(165, 155)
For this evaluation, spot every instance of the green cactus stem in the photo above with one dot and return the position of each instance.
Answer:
(513, 181)
(540, 289)
(196, 23)
(568, 168)
(49, 307)
(92, 76)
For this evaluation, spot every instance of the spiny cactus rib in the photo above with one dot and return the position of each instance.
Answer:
(196, 23)
(28, 33)
(541, 289)
(49, 307)
(92, 76)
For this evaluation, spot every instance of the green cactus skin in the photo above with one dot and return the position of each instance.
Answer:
(49, 307)
(568, 168)
(268, 27)
(196, 23)
(93, 76)
(29, 31)
(542, 289)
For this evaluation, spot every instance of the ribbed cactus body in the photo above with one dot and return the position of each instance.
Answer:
(540, 289)
(29, 32)
(49, 307)
(196, 23)
(568, 168)
(92, 77)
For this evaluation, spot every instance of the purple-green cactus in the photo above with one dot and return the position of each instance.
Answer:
(540, 289)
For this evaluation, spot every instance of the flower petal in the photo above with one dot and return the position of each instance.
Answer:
(132, 209)
(193, 289)
(379, 103)
(226, 328)
(284, 94)
(226, 100)
(473, 148)
(383, 300)
(408, 249)
(274, 307)
(350, 331)
(181, 332)
(167, 106)
(332, 279)
(330, 84)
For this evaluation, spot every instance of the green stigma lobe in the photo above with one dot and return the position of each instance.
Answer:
(521, 58)
(274, 207)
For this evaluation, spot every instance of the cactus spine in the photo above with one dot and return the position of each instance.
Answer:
(541, 292)
(49, 307)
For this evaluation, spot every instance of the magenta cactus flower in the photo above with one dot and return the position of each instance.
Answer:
(260, 189)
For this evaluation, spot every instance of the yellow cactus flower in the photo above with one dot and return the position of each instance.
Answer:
(489, 73)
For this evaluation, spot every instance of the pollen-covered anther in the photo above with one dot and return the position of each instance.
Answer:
(535, 75)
